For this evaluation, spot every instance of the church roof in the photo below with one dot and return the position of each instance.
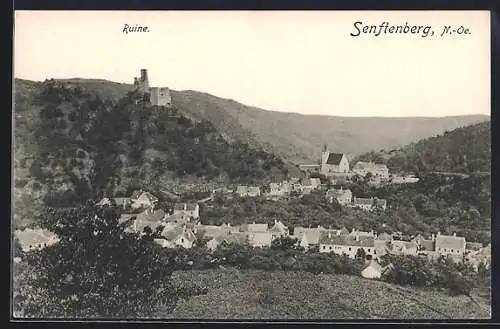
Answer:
(334, 158)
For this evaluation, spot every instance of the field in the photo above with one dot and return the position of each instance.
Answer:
(252, 294)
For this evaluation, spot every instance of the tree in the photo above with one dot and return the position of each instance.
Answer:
(97, 269)
(360, 254)
(284, 243)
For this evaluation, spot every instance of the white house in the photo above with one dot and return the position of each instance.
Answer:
(251, 191)
(188, 209)
(347, 244)
(142, 199)
(447, 245)
(343, 197)
(376, 169)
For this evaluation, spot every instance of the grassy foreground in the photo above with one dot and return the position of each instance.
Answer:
(254, 294)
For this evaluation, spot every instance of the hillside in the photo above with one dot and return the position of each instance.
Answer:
(279, 295)
(293, 136)
(71, 145)
(462, 150)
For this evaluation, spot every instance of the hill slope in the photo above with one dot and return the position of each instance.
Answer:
(462, 150)
(293, 136)
(251, 294)
(71, 145)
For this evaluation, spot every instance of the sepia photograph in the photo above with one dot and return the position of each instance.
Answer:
(251, 166)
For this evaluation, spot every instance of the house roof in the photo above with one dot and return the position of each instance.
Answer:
(337, 193)
(360, 165)
(384, 236)
(120, 201)
(312, 234)
(155, 216)
(238, 238)
(473, 245)
(150, 197)
(450, 242)
(177, 218)
(257, 227)
(398, 245)
(346, 240)
(136, 194)
(363, 201)
(374, 265)
(278, 227)
(189, 206)
(34, 237)
(427, 245)
(334, 158)
(263, 238)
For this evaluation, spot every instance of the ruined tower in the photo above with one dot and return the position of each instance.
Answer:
(142, 82)
(157, 96)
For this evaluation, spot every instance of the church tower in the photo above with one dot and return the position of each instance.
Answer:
(324, 154)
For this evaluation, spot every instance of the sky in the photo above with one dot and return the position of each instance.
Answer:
(289, 61)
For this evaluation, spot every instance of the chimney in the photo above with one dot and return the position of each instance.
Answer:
(338, 232)
(357, 237)
(329, 234)
(353, 230)
(439, 233)
(454, 234)
(433, 237)
(185, 206)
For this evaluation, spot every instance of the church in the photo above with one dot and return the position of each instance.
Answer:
(333, 163)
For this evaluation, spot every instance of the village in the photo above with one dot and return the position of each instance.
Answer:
(182, 225)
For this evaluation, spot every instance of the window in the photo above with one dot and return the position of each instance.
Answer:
(349, 248)
(368, 250)
(182, 240)
(374, 252)
(451, 250)
(330, 247)
(324, 247)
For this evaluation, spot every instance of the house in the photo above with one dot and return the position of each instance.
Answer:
(347, 244)
(188, 209)
(260, 239)
(373, 271)
(278, 229)
(181, 236)
(148, 218)
(256, 228)
(424, 246)
(237, 238)
(473, 246)
(332, 163)
(363, 203)
(309, 184)
(376, 169)
(343, 197)
(279, 189)
(447, 245)
(250, 191)
(142, 199)
(35, 239)
(398, 247)
(311, 235)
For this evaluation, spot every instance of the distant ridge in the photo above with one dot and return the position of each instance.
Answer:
(294, 136)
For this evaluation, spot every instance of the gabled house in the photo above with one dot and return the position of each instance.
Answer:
(35, 239)
(376, 169)
(142, 199)
(311, 235)
(450, 245)
(343, 197)
(188, 209)
(278, 229)
(260, 239)
(180, 236)
(374, 270)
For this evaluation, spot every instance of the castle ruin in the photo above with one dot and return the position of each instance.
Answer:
(157, 96)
